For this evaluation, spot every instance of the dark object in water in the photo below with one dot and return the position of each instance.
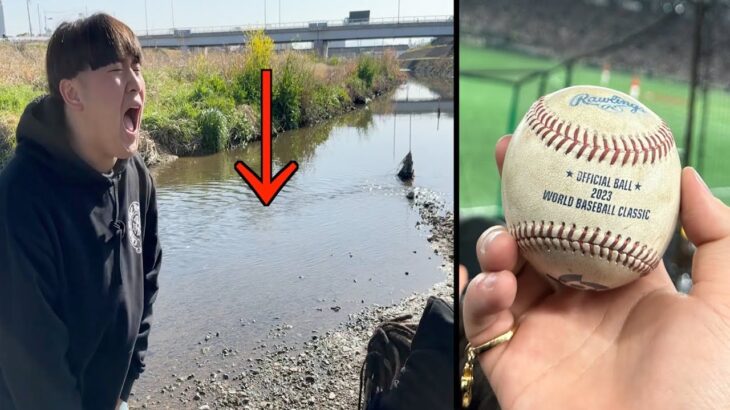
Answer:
(406, 168)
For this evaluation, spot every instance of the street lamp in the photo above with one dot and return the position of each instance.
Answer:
(146, 22)
(30, 26)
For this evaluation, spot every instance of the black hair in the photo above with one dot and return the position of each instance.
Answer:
(88, 43)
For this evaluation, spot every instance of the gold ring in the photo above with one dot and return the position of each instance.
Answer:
(467, 377)
(504, 337)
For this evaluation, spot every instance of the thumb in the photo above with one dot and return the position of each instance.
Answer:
(706, 221)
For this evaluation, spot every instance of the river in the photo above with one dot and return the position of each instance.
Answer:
(341, 234)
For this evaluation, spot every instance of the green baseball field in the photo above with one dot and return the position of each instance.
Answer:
(485, 108)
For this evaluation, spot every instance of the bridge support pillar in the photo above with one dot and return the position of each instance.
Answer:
(322, 48)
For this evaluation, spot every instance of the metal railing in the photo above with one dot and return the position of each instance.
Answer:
(308, 25)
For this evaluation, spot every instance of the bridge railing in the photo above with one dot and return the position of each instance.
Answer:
(312, 25)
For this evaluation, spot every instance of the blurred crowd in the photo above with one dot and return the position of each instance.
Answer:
(564, 28)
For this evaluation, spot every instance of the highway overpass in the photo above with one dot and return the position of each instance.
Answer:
(354, 51)
(319, 33)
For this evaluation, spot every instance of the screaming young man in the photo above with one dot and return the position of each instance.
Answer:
(79, 253)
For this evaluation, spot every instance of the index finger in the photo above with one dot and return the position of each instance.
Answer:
(463, 279)
(500, 150)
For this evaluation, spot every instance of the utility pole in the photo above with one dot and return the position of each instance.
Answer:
(39, 17)
(146, 22)
(279, 12)
(30, 26)
(172, 11)
(2, 21)
(264, 14)
(398, 21)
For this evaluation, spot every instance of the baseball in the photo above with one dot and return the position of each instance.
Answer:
(590, 187)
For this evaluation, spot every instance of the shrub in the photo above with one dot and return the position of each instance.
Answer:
(213, 127)
(172, 98)
(367, 68)
(247, 83)
(241, 128)
(210, 91)
(287, 100)
(342, 95)
(356, 89)
(388, 72)
(259, 48)
(179, 136)
(322, 101)
(222, 103)
(183, 110)
(207, 86)
(238, 90)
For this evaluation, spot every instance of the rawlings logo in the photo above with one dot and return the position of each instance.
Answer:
(613, 103)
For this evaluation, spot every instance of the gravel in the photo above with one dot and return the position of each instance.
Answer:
(324, 372)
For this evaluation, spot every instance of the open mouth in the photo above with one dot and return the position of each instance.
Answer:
(131, 119)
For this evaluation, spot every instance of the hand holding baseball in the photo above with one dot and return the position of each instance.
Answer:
(642, 346)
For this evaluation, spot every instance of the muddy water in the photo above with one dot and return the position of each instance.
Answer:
(340, 234)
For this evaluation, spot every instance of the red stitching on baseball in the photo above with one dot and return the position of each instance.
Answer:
(563, 140)
(646, 153)
(543, 123)
(636, 151)
(570, 148)
(531, 236)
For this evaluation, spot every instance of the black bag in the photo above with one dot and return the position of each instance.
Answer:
(408, 366)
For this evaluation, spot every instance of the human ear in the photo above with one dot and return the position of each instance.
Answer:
(69, 90)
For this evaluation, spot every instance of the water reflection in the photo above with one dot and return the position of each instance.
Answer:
(424, 90)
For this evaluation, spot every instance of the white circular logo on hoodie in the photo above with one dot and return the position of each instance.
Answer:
(134, 227)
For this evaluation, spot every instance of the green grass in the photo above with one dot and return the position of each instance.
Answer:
(202, 103)
(14, 99)
(199, 103)
(484, 117)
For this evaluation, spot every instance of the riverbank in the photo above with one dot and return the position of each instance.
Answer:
(438, 68)
(432, 61)
(208, 101)
(323, 372)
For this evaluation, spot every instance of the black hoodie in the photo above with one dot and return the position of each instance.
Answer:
(79, 260)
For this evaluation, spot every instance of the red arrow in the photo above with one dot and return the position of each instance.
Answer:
(266, 188)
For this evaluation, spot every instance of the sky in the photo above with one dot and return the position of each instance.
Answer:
(208, 13)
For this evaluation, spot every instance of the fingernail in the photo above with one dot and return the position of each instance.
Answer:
(488, 281)
(702, 181)
(487, 237)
